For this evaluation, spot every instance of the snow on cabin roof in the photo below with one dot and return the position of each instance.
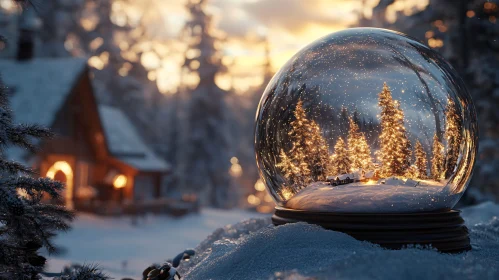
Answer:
(125, 143)
(39, 87)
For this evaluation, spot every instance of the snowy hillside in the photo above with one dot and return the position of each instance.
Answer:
(257, 250)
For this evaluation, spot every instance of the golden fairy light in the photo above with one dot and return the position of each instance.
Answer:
(253, 200)
(259, 185)
(236, 169)
(234, 160)
(286, 194)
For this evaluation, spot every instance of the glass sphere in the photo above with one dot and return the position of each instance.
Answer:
(366, 120)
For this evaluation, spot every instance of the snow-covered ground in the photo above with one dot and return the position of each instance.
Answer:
(124, 250)
(255, 249)
(395, 196)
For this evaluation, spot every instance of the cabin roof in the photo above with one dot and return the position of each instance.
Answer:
(125, 143)
(38, 88)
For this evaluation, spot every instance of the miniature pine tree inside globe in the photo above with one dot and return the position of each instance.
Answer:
(367, 125)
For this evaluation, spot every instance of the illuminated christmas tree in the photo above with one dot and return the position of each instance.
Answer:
(291, 171)
(395, 149)
(437, 161)
(420, 162)
(308, 158)
(359, 152)
(412, 172)
(317, 153)
(340, 162)
(453, 136)
(299, 137)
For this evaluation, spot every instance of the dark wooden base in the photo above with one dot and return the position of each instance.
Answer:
(443, 230)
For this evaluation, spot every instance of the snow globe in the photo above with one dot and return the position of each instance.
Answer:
(369, 132)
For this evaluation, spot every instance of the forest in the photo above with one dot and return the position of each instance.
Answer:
(309, 159)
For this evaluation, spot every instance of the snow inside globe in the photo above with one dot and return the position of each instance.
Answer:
(366, 121)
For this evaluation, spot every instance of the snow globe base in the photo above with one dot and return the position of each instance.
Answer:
(443, 230)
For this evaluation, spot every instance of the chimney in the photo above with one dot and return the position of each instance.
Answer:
(28, 25)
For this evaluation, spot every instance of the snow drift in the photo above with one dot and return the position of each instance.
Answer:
(255, 249)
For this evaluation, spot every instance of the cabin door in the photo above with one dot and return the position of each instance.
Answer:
(62, 171)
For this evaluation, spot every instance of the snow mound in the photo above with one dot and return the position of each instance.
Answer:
(255, 249)
(393, 196)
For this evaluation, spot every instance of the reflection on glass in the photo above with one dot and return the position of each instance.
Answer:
(366, 120)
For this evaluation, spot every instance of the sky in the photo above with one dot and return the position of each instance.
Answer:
(246, 28)
(248, 25)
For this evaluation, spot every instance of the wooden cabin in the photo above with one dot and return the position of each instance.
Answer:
(97, 152)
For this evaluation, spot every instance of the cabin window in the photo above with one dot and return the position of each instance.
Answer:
(119, 181)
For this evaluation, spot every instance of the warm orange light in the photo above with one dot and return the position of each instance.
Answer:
(119, 181)
(370, 182)
(65, 168)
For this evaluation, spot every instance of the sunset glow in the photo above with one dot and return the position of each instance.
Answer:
(245, 26)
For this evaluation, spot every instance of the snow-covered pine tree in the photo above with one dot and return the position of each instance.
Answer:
(308, 158)
(340, 162)
(290, 171)
(437, 161)
(207, 141)
(453, 125)
(298, 136)
(318, 153)
(395, 150)
(26, 224)
(420, 161)
(359, 152)
(310, 151)
(411, 172)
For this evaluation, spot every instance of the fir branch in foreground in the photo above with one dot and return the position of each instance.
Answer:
(83, 272)
(20, 135)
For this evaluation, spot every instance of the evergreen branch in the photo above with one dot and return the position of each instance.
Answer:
(55, 210)
(83, 272)
(10, 201)
(14, 167)
(19, 135)
(40, 184)
(44, 236)
(54, 222)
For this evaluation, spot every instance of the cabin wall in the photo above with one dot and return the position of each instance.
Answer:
(78, 140)
(80, 143)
